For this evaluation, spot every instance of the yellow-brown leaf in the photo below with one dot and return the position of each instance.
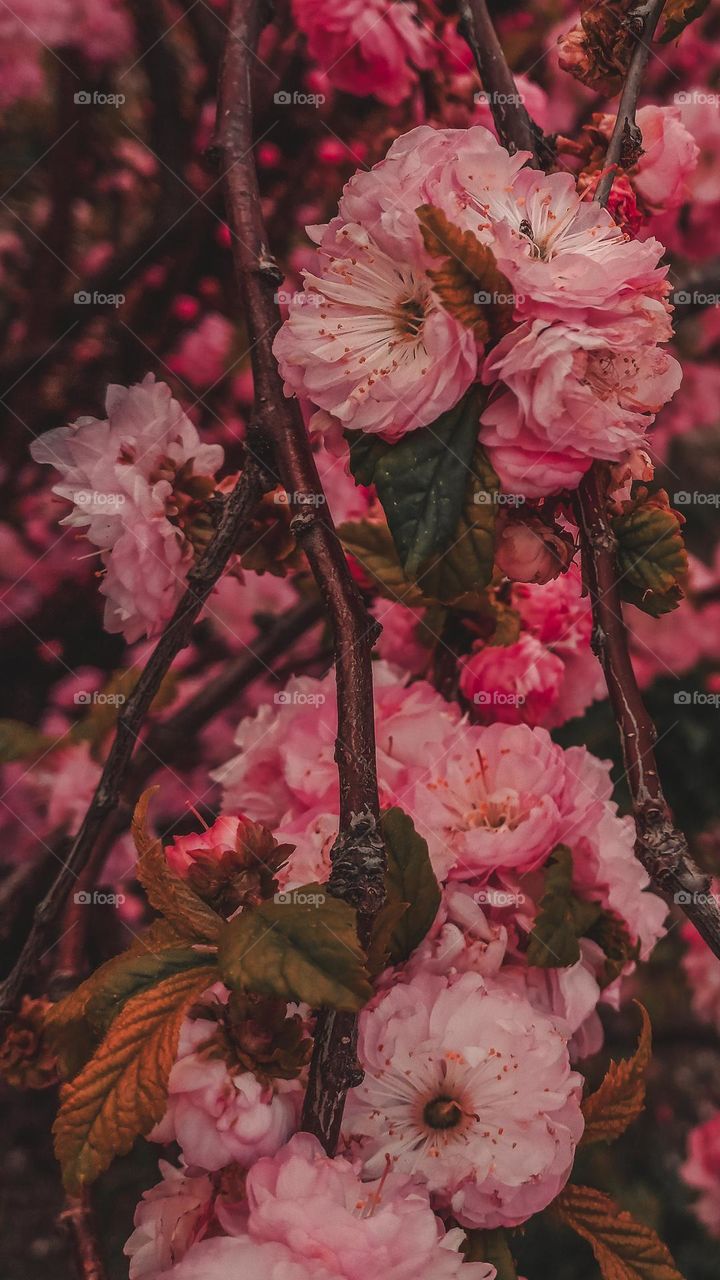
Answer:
(170, 895)
(468, 283)
(618, 1102)
(122, 1091)
(624, 1249)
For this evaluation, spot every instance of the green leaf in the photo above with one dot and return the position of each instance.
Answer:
(370, 542)
(422, 480)
(562, 919)
(490, 1246)
(301, 946)
(166, 892)
(459, 576)
(651, 555)
(410, 880)
(677, 15)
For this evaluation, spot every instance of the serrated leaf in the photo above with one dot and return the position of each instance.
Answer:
(651, 556)
(562, 919)
(122, 1091)
(613, 1107)
(371, 543)
(20, 741)
(624, 1249)
(677, 15)
(301, 946)
(422, 480)
(410, 880)
(166, 892)
(490, 1246)
(468, 283)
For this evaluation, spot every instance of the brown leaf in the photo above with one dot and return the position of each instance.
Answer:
(612, 1108)
(624, 1249)
(469, 283)
(170, 895)
(122, 1091)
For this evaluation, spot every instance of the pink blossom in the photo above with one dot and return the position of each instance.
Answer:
(514, 684)
(696, 235)
(401, 639)
(670, 155)
(121, 475)
(219, 1116)
(320, 1210)
(366, 46)
(168, 1220)
(702, 970)
(470, 1088)
(701, 1171)
(572, 392)
(202, 354)
(218, 839)
(528, 551)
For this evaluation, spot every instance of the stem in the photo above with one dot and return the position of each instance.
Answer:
(78, 1220)
(626, 137)
(516, 130)
(358, 856)
(661, 848)
(201, 580)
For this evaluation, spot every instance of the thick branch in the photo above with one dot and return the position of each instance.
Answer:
(358, 858)
(626, 138)
(79, 1222)
(661, 848)
(176, 636)
(516, 130)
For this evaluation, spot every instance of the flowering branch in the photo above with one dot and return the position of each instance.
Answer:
(512, 120)
(626, 140)
(358, 856)
(78, 1220)
(201, 580)
(661, 848)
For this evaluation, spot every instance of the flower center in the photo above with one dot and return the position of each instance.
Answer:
(410, 316)
(442, 1112)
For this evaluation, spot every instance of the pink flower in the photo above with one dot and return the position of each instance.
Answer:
(514, 684)
(670, 155)
(219, 1117)
(368, 342)
(202, 354)
(225, 1256)
(696, 235)
(702, 1171)
(366, 46)
(574, 393)
(168, 1220)
(560, 617)
(220, 838)
(470, 1088)
(125, 477)
(320, 1210)
(401, 639)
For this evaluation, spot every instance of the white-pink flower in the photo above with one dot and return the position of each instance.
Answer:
(124, 477)
(171, 1216)
(470, 1088)
(514, 684)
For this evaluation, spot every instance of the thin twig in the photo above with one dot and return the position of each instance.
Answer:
(358, 856)
(626, 139)
(661, 848)
(78, 1220)
(514, 125)
(201, 580)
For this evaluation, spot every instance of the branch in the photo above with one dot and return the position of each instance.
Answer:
(358, 856)
(201, 580)
(78, 1220)
(516, 130)
(626, 139)
(661, 848)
